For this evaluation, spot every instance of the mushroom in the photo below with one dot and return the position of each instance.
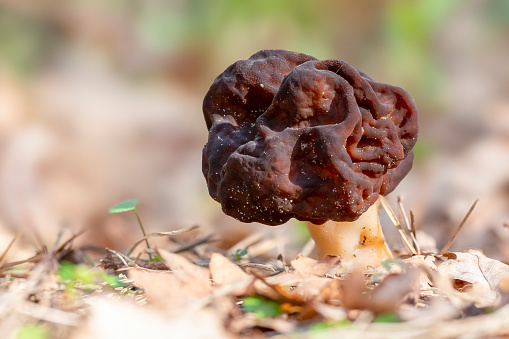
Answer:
(291, 136)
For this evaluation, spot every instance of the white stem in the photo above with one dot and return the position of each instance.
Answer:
(360, 243)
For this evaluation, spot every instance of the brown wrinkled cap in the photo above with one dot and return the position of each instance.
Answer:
(294, 137)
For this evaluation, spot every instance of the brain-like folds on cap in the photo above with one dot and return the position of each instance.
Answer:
(291, 136)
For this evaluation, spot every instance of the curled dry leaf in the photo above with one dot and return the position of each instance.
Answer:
(474, 267)
(483, 273)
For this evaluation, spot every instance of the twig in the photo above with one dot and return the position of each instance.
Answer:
(55, 244)
(409, 224)
(451, 240)
(121, 257)
(190, 245)
(35, 259)
(413, 233)
(397, 224)
(259, 266)
(69, 241)
(161, 234)
(4, 253)
(402, 212)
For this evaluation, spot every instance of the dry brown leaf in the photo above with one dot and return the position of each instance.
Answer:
(426, 265)
(474, 267)
(194, 279)
(393, 291)
(309, 289)
(223, 272)
(160, 288)
(483, 273)
(119, 319)
(307, 267)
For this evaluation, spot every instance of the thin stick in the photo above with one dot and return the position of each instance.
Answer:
(397, 224)
(190, 245)
(408, 224)
(451, 240)
(259, 266)
(402, 211)
(35, 259)
(59, 237)
(2, 257)
(121, 257)
(160, 234)
(412, 232)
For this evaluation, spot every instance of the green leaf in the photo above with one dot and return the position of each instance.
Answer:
(156, 259)
(71, 274)
(67, 271)
(124, 206)
(34, 331)
(262, 307)
(113, 281)
(241, 253)
(389, 317)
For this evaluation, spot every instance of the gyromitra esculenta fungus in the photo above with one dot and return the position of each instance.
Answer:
(291, 136)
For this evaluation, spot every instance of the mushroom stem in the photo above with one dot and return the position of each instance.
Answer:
(360, 243)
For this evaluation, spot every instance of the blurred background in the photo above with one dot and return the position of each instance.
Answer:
(100, 101)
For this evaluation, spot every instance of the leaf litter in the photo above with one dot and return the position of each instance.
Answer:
(199, 291)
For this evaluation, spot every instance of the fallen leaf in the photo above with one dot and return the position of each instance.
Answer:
(392, 292)
(120, 319)
(474, 267)
(162, 289)
(224, 272)
(193, 278)
(483, 273)
(307, 267)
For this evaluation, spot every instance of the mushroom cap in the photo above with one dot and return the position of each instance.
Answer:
(291, 136)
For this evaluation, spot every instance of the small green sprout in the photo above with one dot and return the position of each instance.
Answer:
(86, 278)
(157, 258)
(130, 205)
(239, 254)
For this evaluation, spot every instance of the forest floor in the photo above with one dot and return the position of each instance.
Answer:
(198, 291)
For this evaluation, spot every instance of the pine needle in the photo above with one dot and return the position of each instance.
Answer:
(451, 240)
(397, 224)
(410, 226)
(4, 254)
